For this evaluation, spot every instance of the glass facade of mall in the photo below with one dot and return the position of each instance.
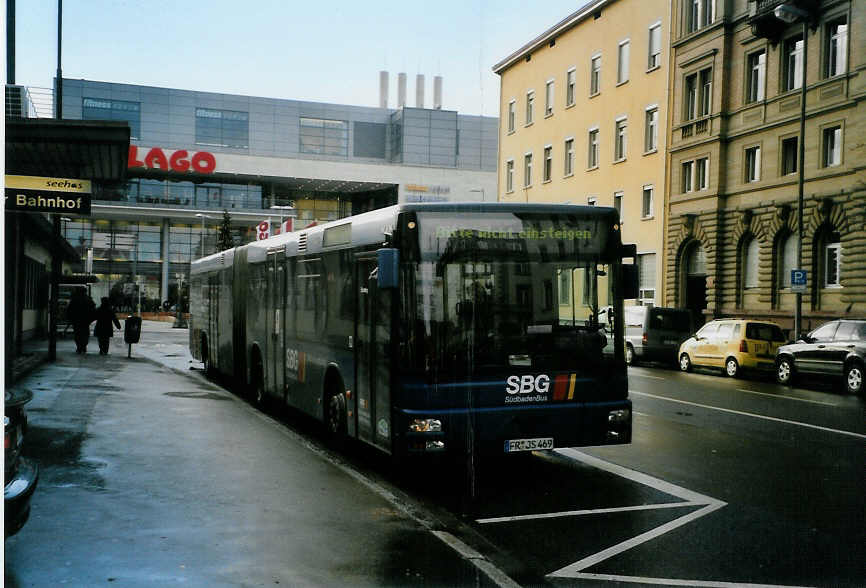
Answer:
(325, 161)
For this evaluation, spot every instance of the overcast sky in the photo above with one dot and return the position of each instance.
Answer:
(320, 51)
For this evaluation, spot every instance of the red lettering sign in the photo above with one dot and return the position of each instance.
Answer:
(179, 161)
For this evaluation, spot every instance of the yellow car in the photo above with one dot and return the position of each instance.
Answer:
(734, 345)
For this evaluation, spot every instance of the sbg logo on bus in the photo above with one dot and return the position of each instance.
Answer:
(528, 384)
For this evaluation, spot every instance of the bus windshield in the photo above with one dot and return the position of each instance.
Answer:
(510, 293)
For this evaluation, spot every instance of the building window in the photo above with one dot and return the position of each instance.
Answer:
(688, 175)
(595, 75)
(655, 46)
(222, 128)
(527, 170)
(832, 146)
(790, 155)
(706, 80)
(571, 78)
(548, 162)
(647, 203)
(548, 98)
(104, 109)
(617, 204)
(511, 116)
(647, 278)
(620, 140)
(832, 261)
(569, 157)
(698, 14)
(690, 100)
(753, 164)
(702, 173)
(509, 175)
(792, 63)
(757, 71)
(695, 175)
(324, 137)
(530, 105)
(790, 247)
(651, 131)
(622, 62)
(836, 53)
(592, 160)
(750, 264)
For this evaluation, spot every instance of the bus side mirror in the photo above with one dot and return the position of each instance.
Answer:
(389, 262)
(629, 281)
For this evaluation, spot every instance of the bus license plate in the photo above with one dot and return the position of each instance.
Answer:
(513, 445)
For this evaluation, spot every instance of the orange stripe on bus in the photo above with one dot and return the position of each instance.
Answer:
(571, 386)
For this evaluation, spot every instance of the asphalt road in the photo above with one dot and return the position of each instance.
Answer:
(727, 483)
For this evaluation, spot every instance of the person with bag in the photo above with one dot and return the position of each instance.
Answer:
(81, 312)
(103, 331)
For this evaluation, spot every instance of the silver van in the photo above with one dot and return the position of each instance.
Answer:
(654, 333)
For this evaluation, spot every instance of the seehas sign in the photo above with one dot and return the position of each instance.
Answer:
(180, 161)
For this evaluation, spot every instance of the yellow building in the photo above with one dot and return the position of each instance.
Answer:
(582, 114)
(735, 164)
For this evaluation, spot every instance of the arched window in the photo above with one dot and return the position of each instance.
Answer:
(788, 259)
(697, 262)
(750, 264)
(832, 258)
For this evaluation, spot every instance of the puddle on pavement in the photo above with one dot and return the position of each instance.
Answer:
(58, 453)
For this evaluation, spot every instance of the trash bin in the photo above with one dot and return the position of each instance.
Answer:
(132, 329)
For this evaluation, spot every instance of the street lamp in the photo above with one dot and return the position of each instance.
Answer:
(291, 214)
(790, 14)
(202, 216)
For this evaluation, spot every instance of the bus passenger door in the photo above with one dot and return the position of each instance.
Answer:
(372, 355)
(276, 345)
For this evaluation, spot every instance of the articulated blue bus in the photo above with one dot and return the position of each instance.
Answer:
(431, 328)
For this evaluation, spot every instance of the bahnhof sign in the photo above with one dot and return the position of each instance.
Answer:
(41, 194)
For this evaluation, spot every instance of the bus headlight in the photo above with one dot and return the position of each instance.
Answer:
(618, 416)
(425, 426)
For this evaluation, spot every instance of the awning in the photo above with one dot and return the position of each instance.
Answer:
(83, 149)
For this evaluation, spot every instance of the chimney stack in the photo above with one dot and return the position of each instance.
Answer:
(383, 89)
(419, 91)
(437, 92)
(401, 90)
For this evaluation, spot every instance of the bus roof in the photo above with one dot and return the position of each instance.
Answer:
(369, 228)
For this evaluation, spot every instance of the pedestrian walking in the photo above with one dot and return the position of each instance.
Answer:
(81, 312)
(104, 331)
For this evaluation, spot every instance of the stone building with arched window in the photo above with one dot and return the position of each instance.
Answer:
(735, 168)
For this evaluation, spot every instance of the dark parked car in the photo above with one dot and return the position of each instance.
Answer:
(21, 475)
(837, 348)
(655, 333)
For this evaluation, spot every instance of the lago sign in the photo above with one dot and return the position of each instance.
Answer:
(41, 194)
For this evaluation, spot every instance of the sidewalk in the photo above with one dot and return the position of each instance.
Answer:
(152, 476)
